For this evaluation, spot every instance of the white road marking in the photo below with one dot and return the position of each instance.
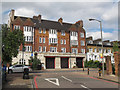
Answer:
(56, 83)
(85, 87)
(66, 78)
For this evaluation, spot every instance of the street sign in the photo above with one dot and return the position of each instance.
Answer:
(101, 56)
(31, 54)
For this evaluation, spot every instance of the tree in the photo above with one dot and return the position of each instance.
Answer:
(11, 40)
(34, 61)
(115, 46)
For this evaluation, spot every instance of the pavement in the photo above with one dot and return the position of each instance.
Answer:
(62, 78)
(15, 81)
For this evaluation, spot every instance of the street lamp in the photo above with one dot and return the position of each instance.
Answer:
(101, 41)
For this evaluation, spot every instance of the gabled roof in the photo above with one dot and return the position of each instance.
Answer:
(49, 24)
(89, 38)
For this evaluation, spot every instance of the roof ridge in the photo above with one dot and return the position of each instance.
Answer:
(44, 20)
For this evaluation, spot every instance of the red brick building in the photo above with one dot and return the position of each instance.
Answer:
(58, 44)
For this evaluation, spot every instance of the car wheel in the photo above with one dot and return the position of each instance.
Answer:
(10, 71)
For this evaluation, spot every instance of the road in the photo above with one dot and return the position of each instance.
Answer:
(71, 80)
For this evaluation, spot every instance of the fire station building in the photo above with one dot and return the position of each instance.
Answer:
(58, 44)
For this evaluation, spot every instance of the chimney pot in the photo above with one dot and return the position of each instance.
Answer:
(60, 20)
(80, 23)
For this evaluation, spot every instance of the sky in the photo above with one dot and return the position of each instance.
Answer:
(71, 12)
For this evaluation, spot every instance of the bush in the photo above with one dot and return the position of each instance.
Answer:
(92, 64)
(34, 62)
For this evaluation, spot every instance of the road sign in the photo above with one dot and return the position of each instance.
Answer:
(31, 54)
(52, 81)
(101, 56)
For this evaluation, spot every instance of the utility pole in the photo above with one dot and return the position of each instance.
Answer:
(101, 41)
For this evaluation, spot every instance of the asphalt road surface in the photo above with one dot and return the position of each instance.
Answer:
(71, 80)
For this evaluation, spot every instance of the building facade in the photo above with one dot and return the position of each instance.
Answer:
(58, 44)
(94, 49)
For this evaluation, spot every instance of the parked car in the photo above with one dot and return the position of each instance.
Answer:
(18, 68)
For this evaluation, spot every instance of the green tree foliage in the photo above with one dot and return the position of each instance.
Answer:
(34, 61)
(11, 40)
(115, 47)
(92, 64)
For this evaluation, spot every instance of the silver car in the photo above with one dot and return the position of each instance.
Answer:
(18, 68)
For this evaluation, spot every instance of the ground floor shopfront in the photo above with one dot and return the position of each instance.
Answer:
(53, 60)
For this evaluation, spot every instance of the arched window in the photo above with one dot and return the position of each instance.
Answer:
(22, 61)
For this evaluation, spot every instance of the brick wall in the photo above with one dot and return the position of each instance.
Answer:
(36, 45)
(117, 63)
(108, 65)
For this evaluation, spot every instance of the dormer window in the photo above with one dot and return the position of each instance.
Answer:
(44, 30)
(40, 30)
(53, 31)
(63, 33)
(74, 34)
(16, 27)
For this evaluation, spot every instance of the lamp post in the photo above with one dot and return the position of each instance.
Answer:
(101, 41)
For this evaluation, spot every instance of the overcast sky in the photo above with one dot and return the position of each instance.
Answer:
(71, 12)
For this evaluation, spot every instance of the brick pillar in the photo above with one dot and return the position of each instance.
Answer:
(117, 62)
(108, 65)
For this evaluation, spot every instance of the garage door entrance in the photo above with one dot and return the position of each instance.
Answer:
(79, 62)
(50, 62)
(64, 63)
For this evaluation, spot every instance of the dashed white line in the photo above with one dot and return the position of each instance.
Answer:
(85, 87)
(66, 78)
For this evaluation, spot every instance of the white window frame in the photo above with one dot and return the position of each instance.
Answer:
(109, 50)
(63, 33)
(40, 30)
(95, 50)
(82, 43)
(40, 49)
(82, 35)
(39, 39)
(61, 41)
(44, 30)
(64, 41)
(28, 48)
(82, 50)
(90, 49)
(44, 48)
(54, 49)
(43, 40)
(104, 50)
(74, 49)
(16, 27)
(63, 50)
(100, 50)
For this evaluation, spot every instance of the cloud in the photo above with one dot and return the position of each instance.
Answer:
(106, 35)
(70, 12)
(24, 12)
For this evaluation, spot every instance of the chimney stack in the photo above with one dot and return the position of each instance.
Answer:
(12, 14)
(35, 17)
(60, 20)
(39, 18)
(80, 23)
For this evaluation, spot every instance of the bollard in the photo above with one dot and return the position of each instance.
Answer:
(83, 68)
(88, 70)
(26, 73)
(99, 72)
